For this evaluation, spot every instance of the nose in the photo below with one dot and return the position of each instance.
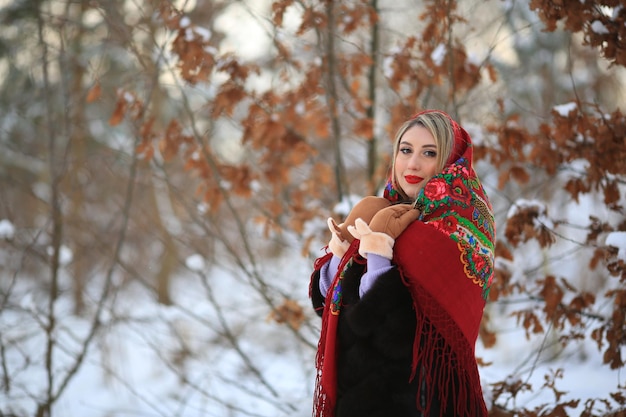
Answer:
(414, 162)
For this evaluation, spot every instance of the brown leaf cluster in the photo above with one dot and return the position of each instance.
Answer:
(217, 180)
(593, 136)
(229, 96)
(355, 16)
(194, 47)
(571, 318)
(312, 19)
(129, 105)
(281, 147)
(602, 23)
(455, 68)
(615, 330)
(279, 8)
(145, 148)
(289, 312)
(278, 135)
(558, 312)
(605, 254)
(173, 140)
(276, 129)
(508, 387)
(530, 321)
(526, 224)
(94, 93)
(486, 335)
(413, 68)
(597, 138)
(404, 69)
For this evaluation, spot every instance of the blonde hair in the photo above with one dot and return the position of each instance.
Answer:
(440, 126)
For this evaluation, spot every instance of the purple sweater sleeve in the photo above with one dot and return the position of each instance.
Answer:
(327, 274)
(376, 266)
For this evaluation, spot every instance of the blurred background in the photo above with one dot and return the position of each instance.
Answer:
(167, 168)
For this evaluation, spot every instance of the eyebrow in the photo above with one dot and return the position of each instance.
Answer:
(425, 146)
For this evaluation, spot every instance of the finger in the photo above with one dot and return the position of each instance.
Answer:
(362, 227)
(337, 226)
(411, 214)
(408, 217)
(331, 225)
(352, 230)
(400, 209)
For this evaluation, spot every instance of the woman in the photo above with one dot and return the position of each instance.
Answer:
(402, 290)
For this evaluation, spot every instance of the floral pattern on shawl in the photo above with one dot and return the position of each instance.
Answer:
(390, 193)
(455, 203)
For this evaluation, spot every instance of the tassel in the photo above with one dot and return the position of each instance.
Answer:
(325, 394)
(445, 363)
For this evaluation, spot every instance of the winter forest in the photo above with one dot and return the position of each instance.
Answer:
(167, 168)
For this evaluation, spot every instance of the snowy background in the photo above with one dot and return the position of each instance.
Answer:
(133, 369)
(214, 348)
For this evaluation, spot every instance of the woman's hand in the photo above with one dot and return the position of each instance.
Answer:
(380, 235)
(365, 209)
(337, 245)
(394, 219)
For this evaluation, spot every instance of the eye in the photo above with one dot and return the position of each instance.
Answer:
(430, 154)
(405, 150)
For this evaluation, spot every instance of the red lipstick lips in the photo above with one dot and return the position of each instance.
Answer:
(413, 179)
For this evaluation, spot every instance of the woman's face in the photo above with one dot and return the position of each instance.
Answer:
(416, 159)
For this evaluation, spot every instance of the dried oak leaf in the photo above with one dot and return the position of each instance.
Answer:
(289, 312)
(279, 8)
(552, 294)
(526, 223)
(94, 93)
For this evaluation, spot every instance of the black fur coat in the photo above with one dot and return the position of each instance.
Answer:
(375, 341)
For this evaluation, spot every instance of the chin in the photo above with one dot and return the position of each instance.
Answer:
(412, 192)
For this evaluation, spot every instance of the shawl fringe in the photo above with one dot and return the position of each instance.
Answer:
(325, 394)
(442, 357)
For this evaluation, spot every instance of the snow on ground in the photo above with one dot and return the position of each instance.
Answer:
(127, 373)
(134, 366)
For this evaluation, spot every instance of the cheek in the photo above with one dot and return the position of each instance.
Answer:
(432, 168)
(399, 166)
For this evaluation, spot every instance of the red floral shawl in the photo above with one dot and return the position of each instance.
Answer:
(453, 243)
